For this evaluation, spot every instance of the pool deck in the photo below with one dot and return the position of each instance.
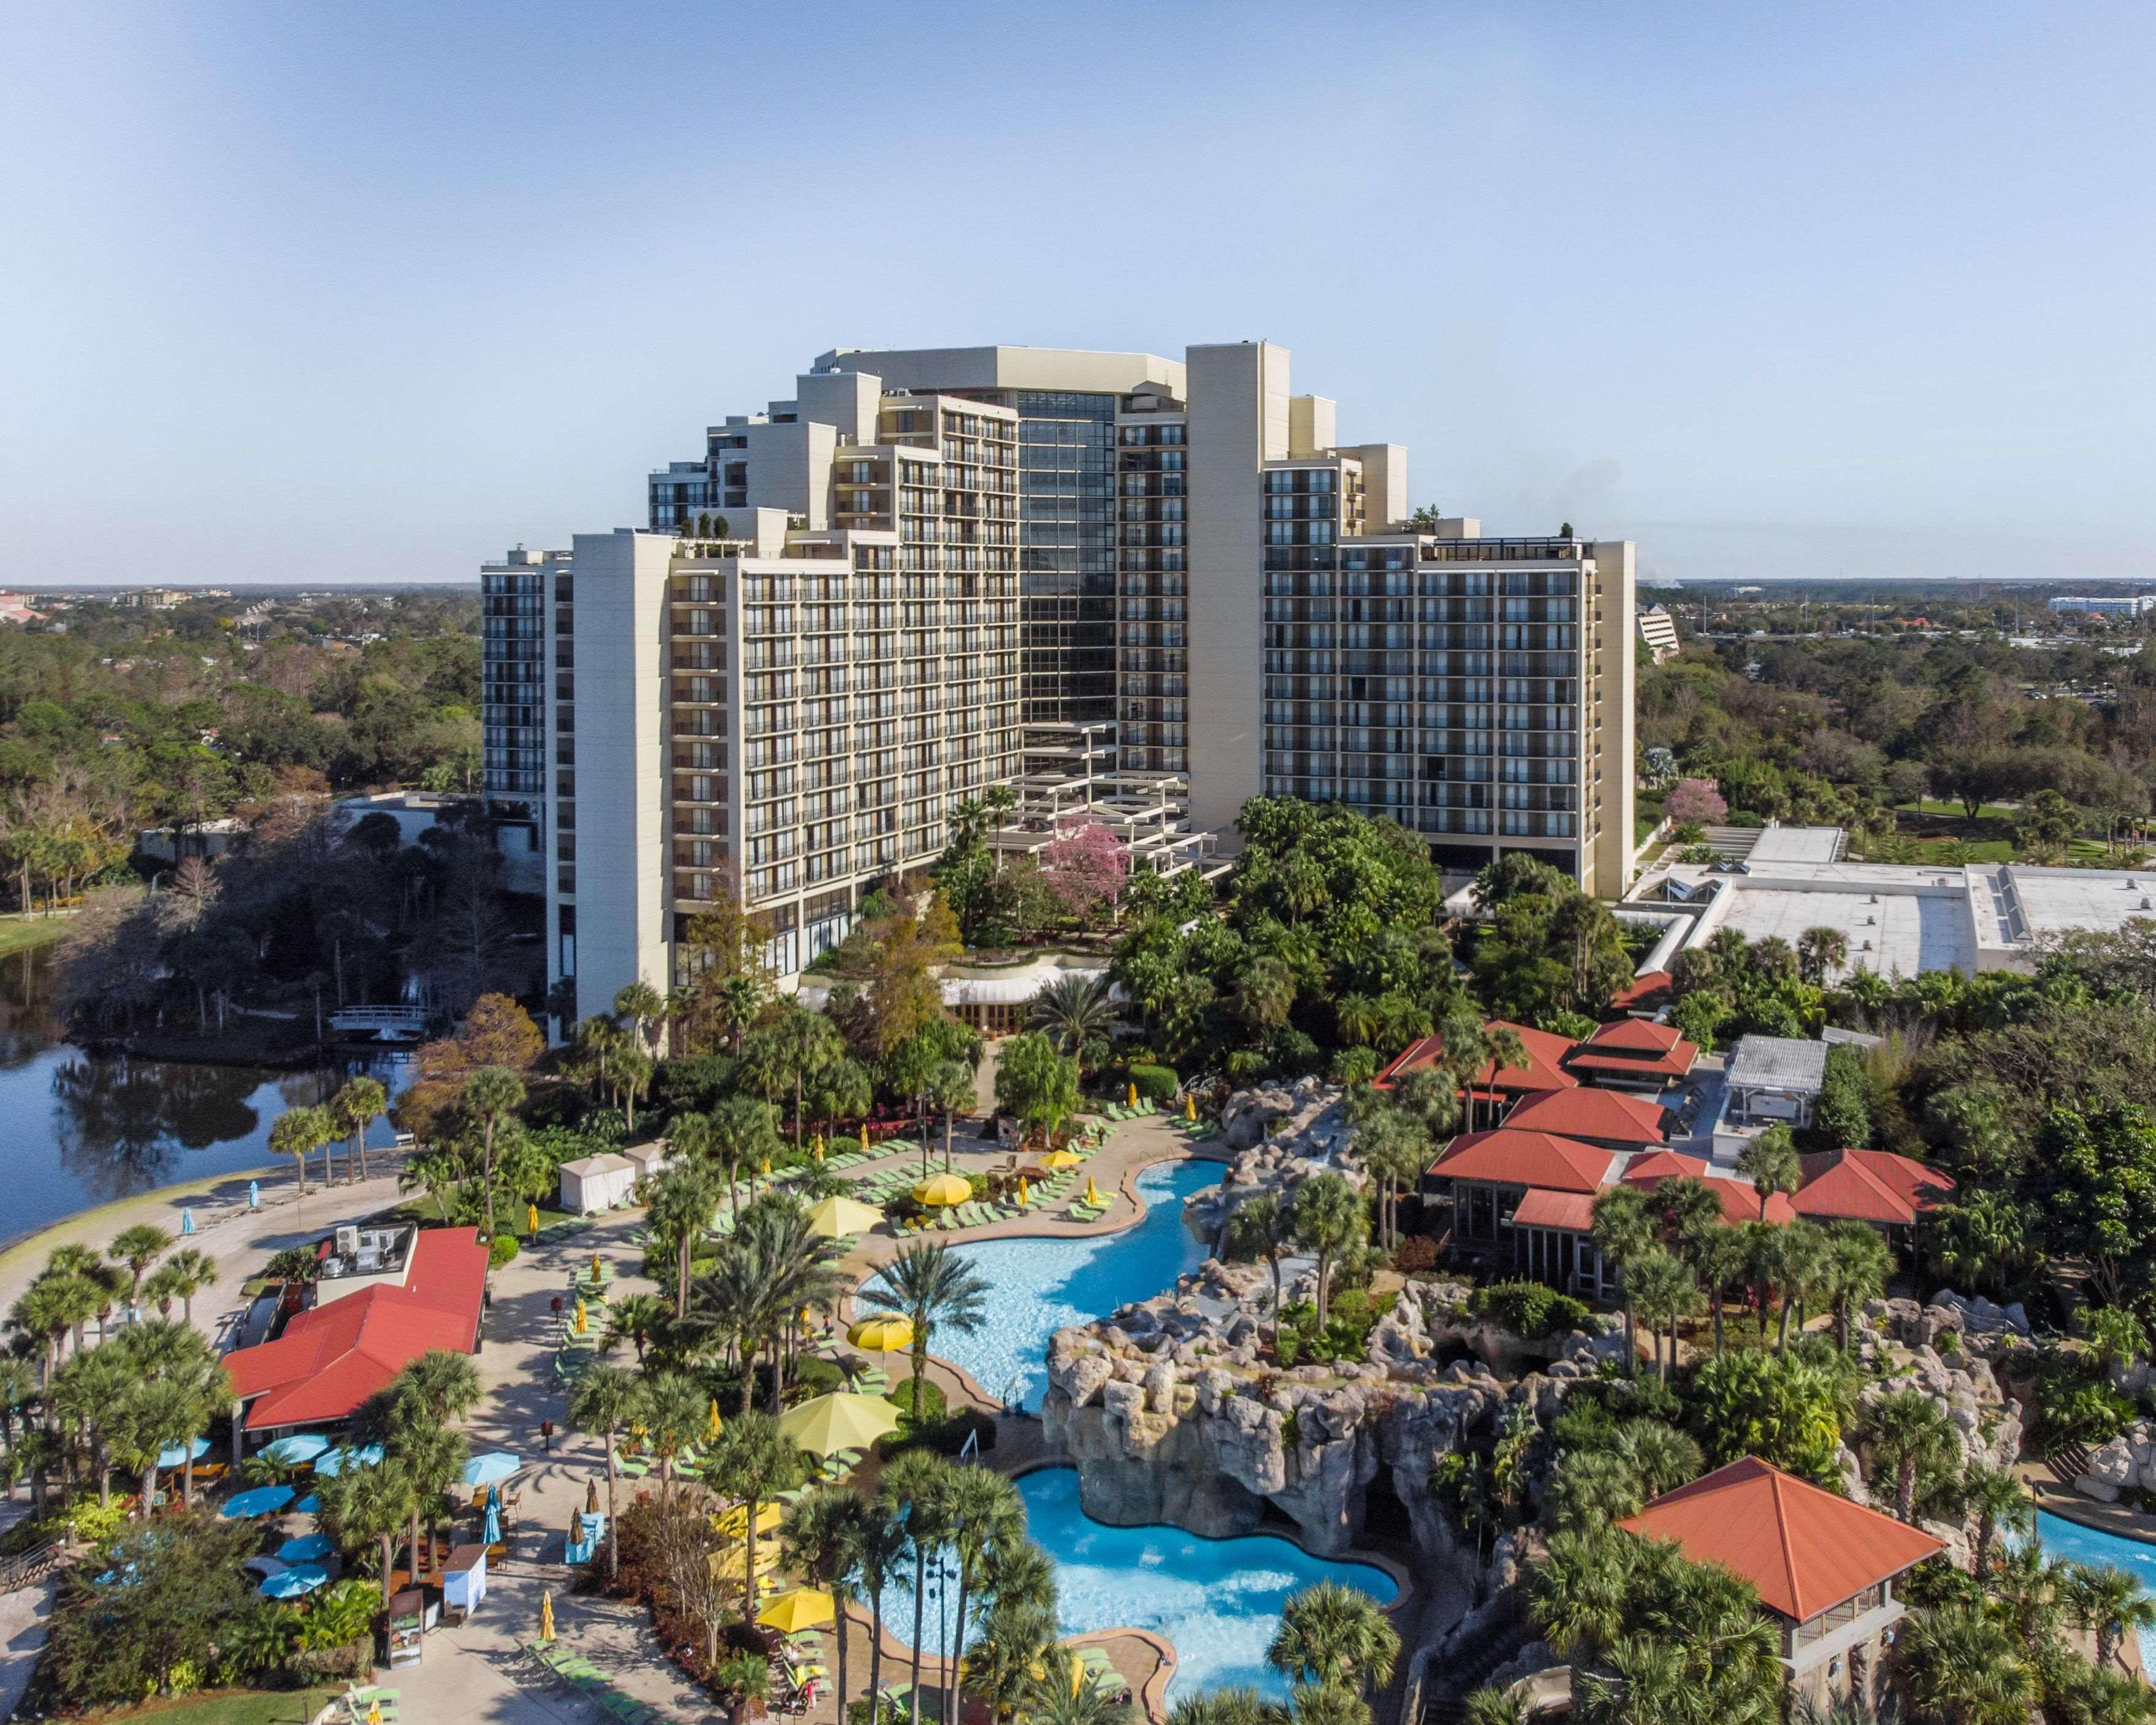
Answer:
(2055, 1497)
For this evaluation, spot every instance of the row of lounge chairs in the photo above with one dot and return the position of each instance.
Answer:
(580, 1673)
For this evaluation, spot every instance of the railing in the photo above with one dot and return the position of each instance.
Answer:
(32, 1566)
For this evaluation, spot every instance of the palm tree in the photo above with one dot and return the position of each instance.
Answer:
(1330, 1222)
(1237, 1704)
(1060, 1704)
(1264, 1227)
(1769, 1161)
(874, 1544)
(364, 1504)
(1265, 991)
(1018, 1643)
(819, 1538)
(635, 1319)
(671, 1406)
(951, 1092)
(1820, 950)
(981, 1509)
(1906, 1432)
(355, 1108)
(1335, 1634)
(2108, 1601)
(646, 1009)
(913, 1486)
(180, 1356)
(434, 1457)
(931, 1286)
(442, 1381)
(1576, 1595)
(158, 1414)
(1661, 1288)
(742, 1136)
(1592, 1489)
(491, 1094)
(1720, 1259)
(1327, 1704)
(138, 1248)
(1960, 1666)
(1494, 1706)
(1997, 1499)
(1857, 1265)
(604, 1400)
(92, 1392)
(183, 1275)
(755, 1462)
(1393, 1146)
(298, 1133)
(1623, 1228)
(1076, 1012)
(1805, 1269)
(681, 1209)
(1663, 1457)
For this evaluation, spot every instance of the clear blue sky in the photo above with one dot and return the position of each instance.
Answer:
(371, 292)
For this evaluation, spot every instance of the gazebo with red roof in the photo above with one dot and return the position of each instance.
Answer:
(1634, 1052)
(1824, 1567)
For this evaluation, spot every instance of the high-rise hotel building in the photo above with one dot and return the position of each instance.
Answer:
(935, 570)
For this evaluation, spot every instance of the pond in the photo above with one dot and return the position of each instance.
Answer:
(1044, 1285)
(1217, 1601)
(83, 1129)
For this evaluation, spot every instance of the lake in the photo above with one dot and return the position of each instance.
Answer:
(77, 1129)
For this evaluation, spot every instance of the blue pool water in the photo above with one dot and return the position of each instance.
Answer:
(1217, 1601)
(1044, 1285)
(2062, 1538)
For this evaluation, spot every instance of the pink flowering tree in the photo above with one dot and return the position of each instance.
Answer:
(1695, 799)
(1084, 866)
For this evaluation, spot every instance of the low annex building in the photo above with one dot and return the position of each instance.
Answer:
(351, 1343)
(1824, 1567)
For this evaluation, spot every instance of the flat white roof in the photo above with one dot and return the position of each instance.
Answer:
(1886, 932)
(1781, 844)
(2056, 901)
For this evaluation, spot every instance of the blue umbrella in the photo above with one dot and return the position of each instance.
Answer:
(492, 1534)
(290, 1583)
(335, 1462)
(254, 1194)
(306, 1548)
(173, 1456)
(262, 1501)
(309, 1505)
(494, 1464)
(300, 1447)
(186, 1221)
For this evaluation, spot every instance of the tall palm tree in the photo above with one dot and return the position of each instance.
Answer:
(298, 1134)
(138, 1248)
(680, 1213)
(1960, 1666)
(950, 1093)
(1906, 1432)
(646, 1009)
(753, 1461)
(981, 1509)
(1857, 1265)
(356, 1106)
(1720, 1259)
(1820, 950)
(819, 1538)
(1075, 1012)
(369, 1504)
(604, 1400)
(1263, 1226)
(1622, 1228)
(743, 1135)
(1662, 1457)
(1576, 1595)
(2109, 1601)
(1592, 1489)
(1330, 1222)
(1335, 1634)
(671, 1407)
(636, 1319)
(158, 1414)
(1770, 1162)
(875, 1545)
(1997, 1499)
(419, 1440)
(1660, 1286)
(1806, 1269)
(1018, 1631)
(180, 1356)
(445, 1382)
(92, 1391)
(184, 1274)
(932, 1287)
(491, 1096)
(913, 1485)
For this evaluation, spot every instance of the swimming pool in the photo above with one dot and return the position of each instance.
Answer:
(1217, 1601)
(2062, 1538)
(1044, 1285)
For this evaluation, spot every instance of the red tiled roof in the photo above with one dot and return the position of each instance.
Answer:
(1636, 1045)
(331, 1359)
(1869, 1186)
(1573, 1211)
(1545, 1052)
(1506, 1158)
(1740, 1198)
(1805, 1550)
(1608, 1115)
(1645, 993)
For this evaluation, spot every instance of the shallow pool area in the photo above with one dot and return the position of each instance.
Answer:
(1043, 1286)
(1217, 1601)
(2062, 1538)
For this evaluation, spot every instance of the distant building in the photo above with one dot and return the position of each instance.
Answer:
(1658, 633)
(2109, 605)
(15, 608)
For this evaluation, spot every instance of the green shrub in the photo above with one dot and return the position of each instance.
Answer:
(503, 1249)
(839, 1147)
(1156, 1084)
(932, 1403)
(1529, 1309)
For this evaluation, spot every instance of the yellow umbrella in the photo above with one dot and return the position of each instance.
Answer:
(816, 1146)
(711, 1428)
(546, 1616)
(1061, 1159)
(734, 1522)
(726, 1565)
(840, 1421)
(595, 1266)
(531, 1219)
(1023, 1198)
(1134, 1096)
(803, 1608)
(835, 1218)
(1091, 1196)
(767, 1165)
(583, 1322)
(1190, 1109)
(943, 1189)
(882, 1335)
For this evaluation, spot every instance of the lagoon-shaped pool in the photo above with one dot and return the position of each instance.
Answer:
(1043, 1286)
(1217, 1601)
(2062, 1538)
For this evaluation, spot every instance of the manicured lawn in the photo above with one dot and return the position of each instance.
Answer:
(233, 1706)
(19, 933)
(1931, 805)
